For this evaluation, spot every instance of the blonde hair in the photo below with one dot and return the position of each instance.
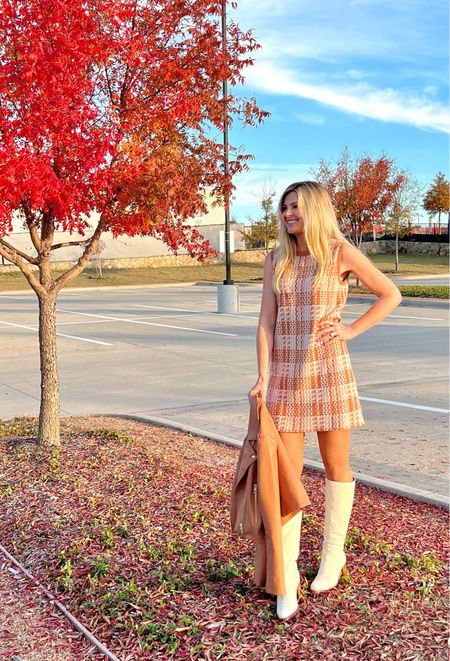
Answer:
(320, 228)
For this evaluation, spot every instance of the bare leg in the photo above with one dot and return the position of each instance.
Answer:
(335, 450)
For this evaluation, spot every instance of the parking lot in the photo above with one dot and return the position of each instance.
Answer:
(164, 352)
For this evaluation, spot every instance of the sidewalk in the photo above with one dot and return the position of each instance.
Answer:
(420, 489)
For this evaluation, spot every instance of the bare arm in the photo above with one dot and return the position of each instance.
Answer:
(388, 295)
(266, 326)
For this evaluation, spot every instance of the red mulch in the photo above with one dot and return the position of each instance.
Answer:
(32, 629)
(130, 527)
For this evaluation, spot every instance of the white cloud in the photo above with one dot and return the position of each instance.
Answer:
(388, 105)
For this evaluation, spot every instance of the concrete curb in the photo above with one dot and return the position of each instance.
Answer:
(414, 301)
(72, 289)
(384, 485)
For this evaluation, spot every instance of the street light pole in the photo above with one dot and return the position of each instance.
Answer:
(228, 280)
(228, 292)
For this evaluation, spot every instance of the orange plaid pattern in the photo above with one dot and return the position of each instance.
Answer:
(311, 385)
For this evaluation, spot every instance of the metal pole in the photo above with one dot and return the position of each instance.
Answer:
(228, 280)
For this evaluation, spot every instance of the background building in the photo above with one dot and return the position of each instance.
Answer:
(210, 224)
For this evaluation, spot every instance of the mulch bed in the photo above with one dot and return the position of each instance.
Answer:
(129, 526)
(30, 628)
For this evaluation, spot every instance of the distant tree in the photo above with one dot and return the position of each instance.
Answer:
(399, 219)
(362, 190)
(110, 106)
(437, 198)
(264, 230)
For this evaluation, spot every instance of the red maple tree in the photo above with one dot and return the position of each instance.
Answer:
(113, 107)
(362, 190)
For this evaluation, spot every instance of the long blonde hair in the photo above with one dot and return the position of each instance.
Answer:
(320, 228)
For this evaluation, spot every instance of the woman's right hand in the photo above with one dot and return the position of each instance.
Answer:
(257, 389)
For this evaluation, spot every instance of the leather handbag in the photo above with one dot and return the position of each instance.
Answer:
(245, 514)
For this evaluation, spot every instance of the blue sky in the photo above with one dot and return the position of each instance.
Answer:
(368, 74)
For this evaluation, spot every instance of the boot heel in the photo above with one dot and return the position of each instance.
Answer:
(333, 586)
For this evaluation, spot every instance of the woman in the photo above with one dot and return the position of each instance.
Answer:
(311, 386)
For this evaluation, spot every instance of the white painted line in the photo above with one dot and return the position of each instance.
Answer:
(71, 337)
(206, 312)
(147, 323)
(158, 307)
(9, 323)
(419, 407)
(83, 323)
(83, 339)
(241, 316)
(108, 321)
(15, 298)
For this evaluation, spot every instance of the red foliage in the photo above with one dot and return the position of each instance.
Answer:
(362, 190)
(115, 106)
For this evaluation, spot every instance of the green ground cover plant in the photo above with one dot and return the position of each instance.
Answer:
(413, 291)
(129, 526)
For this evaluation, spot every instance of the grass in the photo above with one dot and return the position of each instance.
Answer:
(241, 273)
(148, 276)
(412, 264)
(414, 291)
(129, 526)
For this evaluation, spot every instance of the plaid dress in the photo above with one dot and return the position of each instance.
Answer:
(311, 385)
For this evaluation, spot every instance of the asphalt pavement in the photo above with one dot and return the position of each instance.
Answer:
(165, 354)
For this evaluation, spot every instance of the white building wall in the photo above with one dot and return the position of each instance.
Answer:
(209, 224)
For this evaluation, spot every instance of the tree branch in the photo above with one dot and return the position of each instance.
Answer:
(32, 228)
(56, 246)
(12, 256)
(19, 253)
(91, 247)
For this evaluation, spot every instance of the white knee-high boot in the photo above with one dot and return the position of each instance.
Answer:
(287, 605)
(338, 508)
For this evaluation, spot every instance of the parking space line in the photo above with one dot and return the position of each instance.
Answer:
(9, 323)
(70, 337)
(83, 323)
(147, 323)
(241, 316)
(420, 407)
(199, 313)
(15, 298)
(158, 307)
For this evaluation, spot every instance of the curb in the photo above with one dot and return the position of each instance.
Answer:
(407, 301)
(375, 482)
(71, 289)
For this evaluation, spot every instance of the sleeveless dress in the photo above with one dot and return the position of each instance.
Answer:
(311, 385)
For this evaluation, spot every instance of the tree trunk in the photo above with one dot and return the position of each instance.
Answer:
(396, 252)
(49, 429)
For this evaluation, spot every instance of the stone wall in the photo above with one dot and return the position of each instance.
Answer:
(243, 256)
(405, 247)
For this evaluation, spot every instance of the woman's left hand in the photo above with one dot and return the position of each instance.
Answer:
(330, 331)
